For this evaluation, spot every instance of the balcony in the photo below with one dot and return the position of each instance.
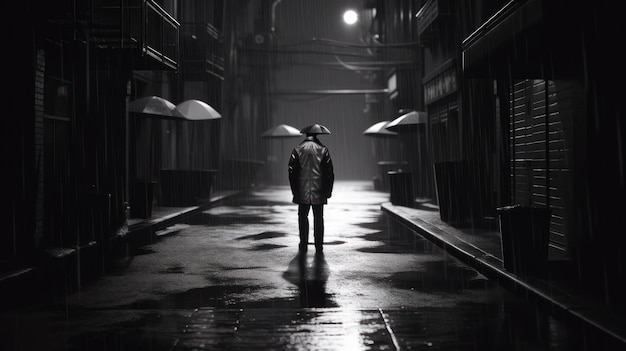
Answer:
(202, 51)
(428, 17)
(215, 55)
(140, 25)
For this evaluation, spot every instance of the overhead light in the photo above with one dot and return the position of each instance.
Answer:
(350, 17)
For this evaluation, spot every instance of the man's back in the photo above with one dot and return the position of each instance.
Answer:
(311, 172)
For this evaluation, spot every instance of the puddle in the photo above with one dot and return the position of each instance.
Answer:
(437, 276)
(262, 236)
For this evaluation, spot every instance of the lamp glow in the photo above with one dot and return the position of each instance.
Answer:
(350, 17)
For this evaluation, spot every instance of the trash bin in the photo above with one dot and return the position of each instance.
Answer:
(383, 168)
(141, 197)
(401, 188)
(525, 232)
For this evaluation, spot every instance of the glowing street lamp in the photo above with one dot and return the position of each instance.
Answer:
(350, 17)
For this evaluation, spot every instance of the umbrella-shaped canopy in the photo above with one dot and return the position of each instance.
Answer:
(315, 129)
(152, 105)
(195, 110)
(412, 118)
(378, 129)
(281, 131)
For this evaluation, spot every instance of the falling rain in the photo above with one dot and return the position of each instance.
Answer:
(479, 175)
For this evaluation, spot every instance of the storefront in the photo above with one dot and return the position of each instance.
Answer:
(550, 68)
(531, 109)
(441, 99)
(449, 172)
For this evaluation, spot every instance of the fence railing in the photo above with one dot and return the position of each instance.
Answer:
(136, 24)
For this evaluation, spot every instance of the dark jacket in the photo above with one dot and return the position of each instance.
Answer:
(311, 172)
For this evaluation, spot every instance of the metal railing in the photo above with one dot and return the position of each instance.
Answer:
(215, 54)
(160, 34)
(136, 24)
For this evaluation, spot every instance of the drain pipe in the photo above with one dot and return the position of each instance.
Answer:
(274, 5)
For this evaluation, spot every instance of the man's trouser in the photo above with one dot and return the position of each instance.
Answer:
(318, 225)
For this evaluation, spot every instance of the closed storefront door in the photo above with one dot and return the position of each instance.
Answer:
(539, 166)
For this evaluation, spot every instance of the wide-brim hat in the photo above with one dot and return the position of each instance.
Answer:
(315, 129)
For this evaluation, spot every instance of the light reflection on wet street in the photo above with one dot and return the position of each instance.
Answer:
(230, 278)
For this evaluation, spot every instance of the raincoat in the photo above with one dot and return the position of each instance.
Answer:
(311, 174)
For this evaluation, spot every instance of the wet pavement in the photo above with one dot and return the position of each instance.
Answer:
(229, 278)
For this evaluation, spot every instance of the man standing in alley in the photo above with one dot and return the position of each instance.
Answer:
(311, 178)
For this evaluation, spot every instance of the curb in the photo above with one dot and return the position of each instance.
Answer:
(58, 266)
(566, 306)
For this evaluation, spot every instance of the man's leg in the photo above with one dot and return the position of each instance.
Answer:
(303, 225)
(318, 226)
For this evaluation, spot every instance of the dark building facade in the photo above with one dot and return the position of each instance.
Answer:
(75, 153)
(547, 68)
(522, 111)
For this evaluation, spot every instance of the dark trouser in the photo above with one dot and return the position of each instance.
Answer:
(318, 225)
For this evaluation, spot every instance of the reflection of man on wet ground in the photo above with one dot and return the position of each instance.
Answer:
(310, 276)
(311, 179)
